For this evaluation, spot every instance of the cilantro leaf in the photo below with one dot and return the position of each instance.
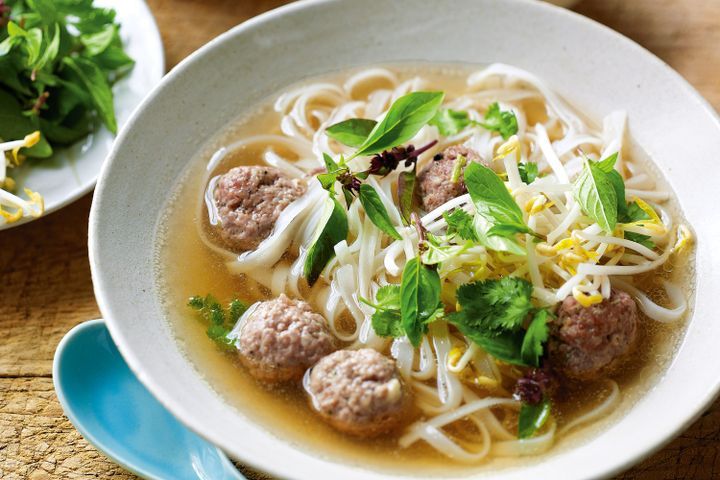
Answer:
(493, 306)
(386, 320)
(528, 172)
(450, 122)
(218, 319)
(644, 240)
(503, 122)
(460, 223)
(535, 336)
(532, 418)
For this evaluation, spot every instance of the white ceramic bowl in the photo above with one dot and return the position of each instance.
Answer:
(592, 66)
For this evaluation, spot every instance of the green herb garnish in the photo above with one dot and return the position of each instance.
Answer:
(58, 60)
(503, 122)
(492, 314)
(532, 418)
(460, 223)
(644, 240)
(352, 132)
(419, 298)
(332, 229)
(376, 211)
(220, 320)
(595, 191)
(403, 120)
(451, 122)
(528, 172)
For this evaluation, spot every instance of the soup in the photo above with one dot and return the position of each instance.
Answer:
(430, 262)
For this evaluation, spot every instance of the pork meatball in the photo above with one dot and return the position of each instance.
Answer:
(359, 392)
(586, 342)
(282, 338)
(249, 201)
(434, 181)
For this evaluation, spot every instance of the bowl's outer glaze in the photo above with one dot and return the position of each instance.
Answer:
(592, 66)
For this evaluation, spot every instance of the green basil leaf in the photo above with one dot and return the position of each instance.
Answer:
(96, 43)
(595, 193)
(51, 50)
(419, 298)
(450, 122)
(633, 213)
(532, 418)
(607, 165)
(505, 346)
(644, 240)
(14, 126)
(403, 120)
(333, 230)
(491, 198)
(406, 194)
(535, 336)
(330, 164)
(97, 86)
(506, 230)
(376, 211)
(352, 132)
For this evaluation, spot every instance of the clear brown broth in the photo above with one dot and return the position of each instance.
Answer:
(187, 267)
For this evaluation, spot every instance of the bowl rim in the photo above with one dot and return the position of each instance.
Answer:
(103, 295)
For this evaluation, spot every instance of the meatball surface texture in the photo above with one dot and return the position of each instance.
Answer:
(282, 338)
(359, 392)
(434, 181)
(586, 342)
(249, 201)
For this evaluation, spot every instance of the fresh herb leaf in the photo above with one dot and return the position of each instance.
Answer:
(220, 320)
(595, 192)
(535, 336)
(330, 164)
(352, 132)
(493, 306)
(492, 200)
(13, 124)
(532, 418)
(460, 223)
(503, 122)
(376, 211)
(644, 240)
(333, 229)
(403, 120)
(528, 172)
(406, 193)
(386, 320)
(419, 298)
(450, 122)
(95, 81)
(505, 346)
(634, 213)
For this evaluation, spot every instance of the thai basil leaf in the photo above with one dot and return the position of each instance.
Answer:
(492, 200)
(595, 193)
(352, 132)
(15, 125)
(406, 193)
(505, 346)
(633, 213)
(419, 298)
(403, 120)
(644, 240)
(95, 81)
(376, 211)
(532, 418)
(535, 336)
(333, 230)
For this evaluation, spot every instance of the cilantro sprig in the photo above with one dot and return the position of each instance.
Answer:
(218, 318)
(451, 122)
(493, 314)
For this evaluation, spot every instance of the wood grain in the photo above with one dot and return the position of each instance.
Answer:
(46, 286)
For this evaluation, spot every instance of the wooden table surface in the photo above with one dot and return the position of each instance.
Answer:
(45, 286)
